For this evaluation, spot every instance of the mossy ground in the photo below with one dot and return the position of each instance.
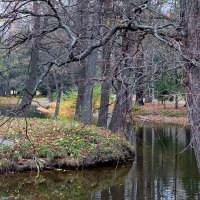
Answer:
(56, 144)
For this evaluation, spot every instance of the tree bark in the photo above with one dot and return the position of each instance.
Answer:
(121, 108)
(58, 77)
(34, 73)
(105, 88)
(177, 85)
(139, 76)
(123, 95)
(85, 90)
(191, 26)
(106, 72)
(122, 74)
(85, 83)
(49, 92)
(84, 98)
(81, 90)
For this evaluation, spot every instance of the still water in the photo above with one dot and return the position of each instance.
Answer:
(164, 168)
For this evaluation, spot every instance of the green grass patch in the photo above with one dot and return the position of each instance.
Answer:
(139, 110)
(58, 144)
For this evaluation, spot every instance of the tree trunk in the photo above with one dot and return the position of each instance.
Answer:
(121, 108)
(7, 88)
(149, 96)
(34, 73)
(123, 96)
(122, 74)
(49, 92)
(85, 90)
(81, 90)
(139, 76)
(58, 77)
(105, 92)
(106, 72)
(81, 72)
(85, 83)
(191, 26)
(177, 88)
(176, 101)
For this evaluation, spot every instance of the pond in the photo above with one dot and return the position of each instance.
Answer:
(164, 168)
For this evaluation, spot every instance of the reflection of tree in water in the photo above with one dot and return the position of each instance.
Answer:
(160, 170)
(188, 165)
(62, 185)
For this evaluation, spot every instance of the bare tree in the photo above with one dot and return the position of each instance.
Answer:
(106, 69)
(49, 89)
(87, 71)
(139, 75)
(34, 71)
(58, 78)
(190, 27)
(122, 74)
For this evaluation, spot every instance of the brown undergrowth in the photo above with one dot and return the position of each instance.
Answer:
(155, 112)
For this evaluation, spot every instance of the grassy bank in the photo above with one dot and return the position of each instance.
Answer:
(57, 145)
(154, 112)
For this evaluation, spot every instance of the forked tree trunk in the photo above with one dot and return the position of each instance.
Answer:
(85, 90)
(85, 83)
(123, 95)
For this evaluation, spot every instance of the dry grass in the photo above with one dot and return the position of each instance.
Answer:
(66, 111)
(157, 112)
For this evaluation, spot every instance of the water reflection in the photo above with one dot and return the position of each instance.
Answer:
(160, 171)
(70, 185)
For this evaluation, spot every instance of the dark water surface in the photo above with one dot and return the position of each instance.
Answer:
(161, 170)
